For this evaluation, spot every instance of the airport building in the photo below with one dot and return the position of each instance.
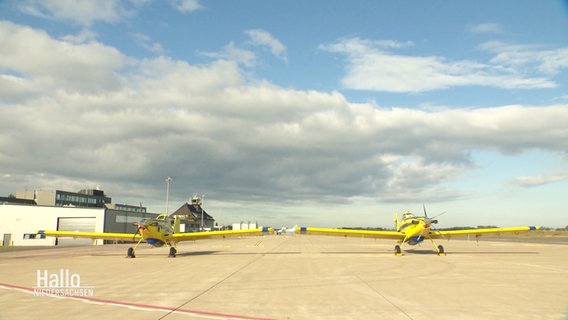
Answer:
(19, 224)
(87, 210)
(14, 200)
(87, 198)
(193, 217)
(245, 225)
(21, 216)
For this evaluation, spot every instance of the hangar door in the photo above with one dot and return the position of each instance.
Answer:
(75, 224)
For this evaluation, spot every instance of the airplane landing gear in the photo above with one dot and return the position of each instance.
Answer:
(439, 248)
(131, 251)
(173, 252)
(397, 250)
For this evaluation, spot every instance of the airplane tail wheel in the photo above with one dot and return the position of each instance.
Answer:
(130, 253)
(397, 249)
(173, 252)
(440, 249)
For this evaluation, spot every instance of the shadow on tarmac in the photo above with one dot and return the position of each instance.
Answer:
(432, 252)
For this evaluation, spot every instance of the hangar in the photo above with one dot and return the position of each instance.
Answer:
(89, 210)
(18, 224)
(86, 210)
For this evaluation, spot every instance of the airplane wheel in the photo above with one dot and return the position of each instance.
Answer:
(173, 252)
(397, 249)
(130, 253)
(440, 250)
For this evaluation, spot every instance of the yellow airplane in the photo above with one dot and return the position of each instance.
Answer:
(157, 232)
(412, 230)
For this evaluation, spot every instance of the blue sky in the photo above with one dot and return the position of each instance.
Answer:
(324, 113)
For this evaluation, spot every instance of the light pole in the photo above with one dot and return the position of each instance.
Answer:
(168, 180)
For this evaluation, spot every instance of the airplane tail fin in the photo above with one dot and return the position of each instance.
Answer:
(176, 224)
(396, 221)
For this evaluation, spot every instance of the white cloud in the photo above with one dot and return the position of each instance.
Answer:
(414, 179)
(185, 6)
(83, 12)
(394, 44)
(371, 68)
(248, 58)
(83, 37)
(233, 53)
(491, 28)
(43, 64)
(139, 3)
(548, 62)
(88, 113)
(539, 180)
(145, 42)
(259, 37)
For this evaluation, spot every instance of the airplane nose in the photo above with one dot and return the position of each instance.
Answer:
(140, 223)
(428, 223)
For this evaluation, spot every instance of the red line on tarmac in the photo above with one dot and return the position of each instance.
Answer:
(139, 305)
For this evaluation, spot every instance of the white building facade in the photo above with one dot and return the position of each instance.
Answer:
(19, 224)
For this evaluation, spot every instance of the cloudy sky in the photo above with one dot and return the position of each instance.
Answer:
(320, 113)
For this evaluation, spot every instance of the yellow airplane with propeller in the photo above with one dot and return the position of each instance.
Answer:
(157, 232)
(413, 230)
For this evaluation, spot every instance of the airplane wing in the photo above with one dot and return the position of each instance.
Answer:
(91, 235)
(480, 232)
(395, 235)
(177, 237)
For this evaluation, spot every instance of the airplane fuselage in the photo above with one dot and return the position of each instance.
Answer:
(154, 231)
(415, 230)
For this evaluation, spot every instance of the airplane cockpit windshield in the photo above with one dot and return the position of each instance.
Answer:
(407, 215)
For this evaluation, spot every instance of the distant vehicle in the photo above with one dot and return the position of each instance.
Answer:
(412, 230)
(156, 232)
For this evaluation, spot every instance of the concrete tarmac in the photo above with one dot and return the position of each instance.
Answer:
(289, 277)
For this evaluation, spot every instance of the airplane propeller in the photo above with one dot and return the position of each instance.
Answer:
(429, 221)
(138, 227)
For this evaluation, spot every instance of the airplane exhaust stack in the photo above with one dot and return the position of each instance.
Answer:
(176, 224)
(396, 221)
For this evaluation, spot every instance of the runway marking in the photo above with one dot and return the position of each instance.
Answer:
(215, 285)
(138, 306)
(257, 244)
(384, 297)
